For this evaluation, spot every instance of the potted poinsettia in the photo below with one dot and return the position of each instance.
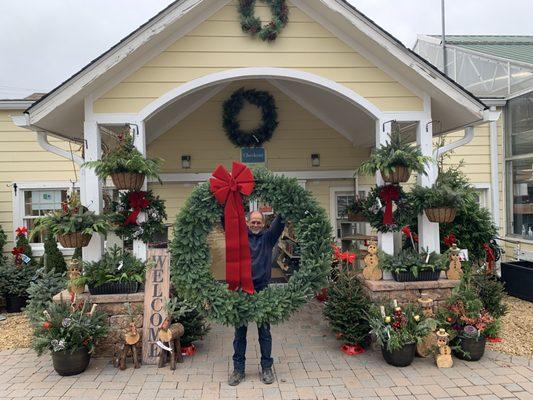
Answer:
(126, 166)
(440, 202)
(397, 330)
(395, 160)
(73, 225)
(70, 331)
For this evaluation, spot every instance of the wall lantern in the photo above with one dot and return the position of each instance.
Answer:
(315, 160)
(186, 162)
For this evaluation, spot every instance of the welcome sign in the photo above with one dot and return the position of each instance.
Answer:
(156, 294)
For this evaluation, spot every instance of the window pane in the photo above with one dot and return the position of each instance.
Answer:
(30, 223)
(342, 202)
(520, 125)
(521, 197)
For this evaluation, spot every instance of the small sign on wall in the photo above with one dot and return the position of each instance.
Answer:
(253, 156)
(156, 294)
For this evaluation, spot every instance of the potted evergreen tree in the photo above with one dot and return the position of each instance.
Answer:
(126, 166)
(69, 330)
(395, 160)
(15, 278)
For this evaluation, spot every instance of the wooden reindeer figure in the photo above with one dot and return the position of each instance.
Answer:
(444, 357)
(425, 346)
(371, 271)
(170, 344)
(129, 347)
(455, 271)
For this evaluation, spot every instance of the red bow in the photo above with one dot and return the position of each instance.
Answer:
(228, 190)
(137, 201)
(21, 230)
(389, 194)
(450, 239)
(17, 251)
(348, 257)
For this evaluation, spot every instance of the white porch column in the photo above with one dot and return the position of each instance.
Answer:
(383, 134)
(140, 249)
(428, 232)
(92, 187)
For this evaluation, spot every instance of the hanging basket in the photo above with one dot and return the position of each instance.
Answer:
(128, 180)
(356, 217)
(399, 175)
(74, 240)
(441, 215)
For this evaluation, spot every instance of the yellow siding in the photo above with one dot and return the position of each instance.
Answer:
(22, 159)
(219, 44)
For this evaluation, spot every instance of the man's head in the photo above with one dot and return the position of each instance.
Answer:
(256, 221)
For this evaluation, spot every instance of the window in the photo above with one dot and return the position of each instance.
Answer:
(38, 203)
(519, 166)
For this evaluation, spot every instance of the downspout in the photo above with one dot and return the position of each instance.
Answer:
(42, 139)
(467, 138)
(494, 171)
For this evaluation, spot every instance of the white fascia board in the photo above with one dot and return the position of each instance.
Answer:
(429, 39)
(15, 104)
(79, 81)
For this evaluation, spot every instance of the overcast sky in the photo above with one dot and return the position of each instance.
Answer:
(43, 42)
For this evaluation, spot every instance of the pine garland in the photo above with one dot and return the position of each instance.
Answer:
(252, 24)
(234, 105)
(191, 259)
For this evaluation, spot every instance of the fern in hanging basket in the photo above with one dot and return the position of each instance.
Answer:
(125, 158)
(440, 202)
(393, 155)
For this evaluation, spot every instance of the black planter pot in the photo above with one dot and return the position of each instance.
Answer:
(15, 304)
(400, 358)
(115, 288)
(518, 279)
(67, 364)
(472, 349)
(408, 276)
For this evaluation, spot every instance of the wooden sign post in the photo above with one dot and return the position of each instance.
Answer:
(156, 294)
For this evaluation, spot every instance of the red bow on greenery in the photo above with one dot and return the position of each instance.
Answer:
(21, 230)
(388, 194)
(137, 201)
(450, 240)
(348, 257)
(17, 251)
(228, 190)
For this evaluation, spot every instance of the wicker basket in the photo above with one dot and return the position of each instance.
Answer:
(441, 215)
(400, 174)
(128, 180)
(356, 217)
(74, 240)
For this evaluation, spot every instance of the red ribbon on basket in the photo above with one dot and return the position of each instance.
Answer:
(137, 201)
(352, 349)
(228, 188)
(388, 194)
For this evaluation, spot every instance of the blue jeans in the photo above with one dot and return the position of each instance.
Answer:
(239, 347)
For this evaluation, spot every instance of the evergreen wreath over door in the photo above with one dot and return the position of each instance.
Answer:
(252, 24)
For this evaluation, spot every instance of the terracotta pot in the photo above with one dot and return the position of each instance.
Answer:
(67, 364)
(356, 217)
(400, 174)
(441, 215)
(128, 180)
(74, 240)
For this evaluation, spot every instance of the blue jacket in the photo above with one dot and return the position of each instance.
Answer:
(261, 246)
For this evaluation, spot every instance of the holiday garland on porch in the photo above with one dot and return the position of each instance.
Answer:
(191, 261)
(234, 105)
(252, 24)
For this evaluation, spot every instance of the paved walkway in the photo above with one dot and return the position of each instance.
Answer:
(308, 365)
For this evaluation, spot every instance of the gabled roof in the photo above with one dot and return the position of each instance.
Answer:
(512, 48)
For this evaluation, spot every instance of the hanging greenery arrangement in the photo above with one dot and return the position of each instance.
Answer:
(191, 260)
(387, 208)
(234, 105)
(126, 212)
(252, 24)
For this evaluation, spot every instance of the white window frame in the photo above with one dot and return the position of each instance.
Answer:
(333, 205)
(483, 190)
(18, 208)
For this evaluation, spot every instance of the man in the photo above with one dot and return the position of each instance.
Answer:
(261, 241)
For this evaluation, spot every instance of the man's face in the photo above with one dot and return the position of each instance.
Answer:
(256, 222)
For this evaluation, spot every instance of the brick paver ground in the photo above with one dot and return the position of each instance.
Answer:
(308, 365)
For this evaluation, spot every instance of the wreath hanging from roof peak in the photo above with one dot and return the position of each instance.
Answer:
(251, 24)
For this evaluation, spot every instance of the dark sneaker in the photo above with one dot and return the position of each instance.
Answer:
(267, 376)
(235, 378)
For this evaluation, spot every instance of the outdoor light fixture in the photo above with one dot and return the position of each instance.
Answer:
(315, 160)
(186, 162)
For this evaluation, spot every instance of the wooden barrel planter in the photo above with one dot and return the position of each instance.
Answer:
(356, 217)
(442, 215)
(74, 240)
(128, 180)
(399, 175)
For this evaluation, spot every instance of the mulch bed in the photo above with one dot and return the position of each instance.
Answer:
(15, 332)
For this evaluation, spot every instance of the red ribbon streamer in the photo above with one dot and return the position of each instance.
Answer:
(137, 201)
(389, 194)
(352, 349)
(228, 190)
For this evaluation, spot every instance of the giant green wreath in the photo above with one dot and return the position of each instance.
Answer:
(374, 212)
(234, 105)
(191, 259)
(252, 24)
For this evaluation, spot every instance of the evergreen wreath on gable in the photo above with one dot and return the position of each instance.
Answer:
(252, 24)
(234, 105)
